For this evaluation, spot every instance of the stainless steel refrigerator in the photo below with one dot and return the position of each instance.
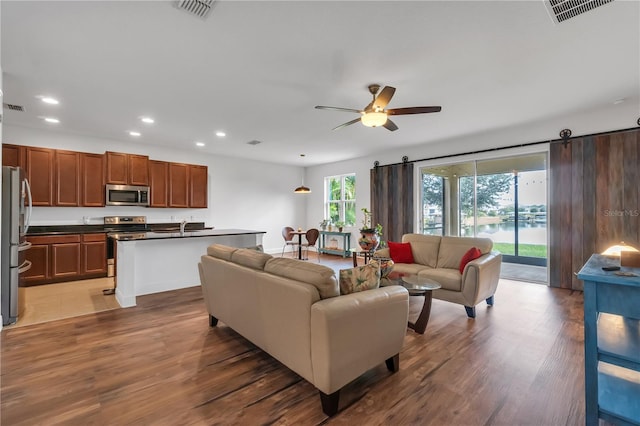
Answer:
(16, 213)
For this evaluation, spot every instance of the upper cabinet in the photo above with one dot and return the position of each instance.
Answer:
(159, 183)
(178, 185)
(92, 185)
(13, 155)
(67, 179)
(40, 173)
(74, 179)
(127, 169)
(198, 186)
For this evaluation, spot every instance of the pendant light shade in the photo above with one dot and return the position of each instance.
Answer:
(302, 189)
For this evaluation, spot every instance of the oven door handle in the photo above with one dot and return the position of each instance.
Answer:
(26, 265)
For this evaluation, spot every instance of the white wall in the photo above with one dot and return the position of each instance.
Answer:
(242, 193)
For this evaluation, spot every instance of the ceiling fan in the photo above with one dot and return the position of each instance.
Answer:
(374, 114)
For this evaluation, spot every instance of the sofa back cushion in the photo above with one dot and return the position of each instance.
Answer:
(250, 258)
(424, 248)
(320, 276)
(221, 251)
(452, 249)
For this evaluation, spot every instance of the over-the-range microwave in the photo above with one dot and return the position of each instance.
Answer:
(127, 195)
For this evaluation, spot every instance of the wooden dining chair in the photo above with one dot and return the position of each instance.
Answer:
(312, 239)
(287, 234)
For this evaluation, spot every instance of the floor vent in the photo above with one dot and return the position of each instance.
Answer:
(561, 10)
(254, 142)
(12, 107)
(199, 8)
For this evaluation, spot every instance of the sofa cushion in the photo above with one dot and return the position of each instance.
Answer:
(453, 248)
(471, 254)
(449, 279)
(250, 258)
(320, 276)
(400, 252)
(360, 278)
(220, 251)
(424, 247)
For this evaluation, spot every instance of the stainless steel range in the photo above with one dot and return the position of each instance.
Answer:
(122, 228)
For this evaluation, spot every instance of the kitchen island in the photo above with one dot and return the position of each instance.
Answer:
(152, 262)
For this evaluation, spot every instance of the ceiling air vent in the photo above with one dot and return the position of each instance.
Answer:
(12, 107)
(199, 8)
(561, 10)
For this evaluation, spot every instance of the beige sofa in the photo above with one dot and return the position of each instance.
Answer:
(292, 310)
(439, 258)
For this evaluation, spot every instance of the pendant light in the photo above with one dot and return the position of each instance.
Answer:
(302, 189)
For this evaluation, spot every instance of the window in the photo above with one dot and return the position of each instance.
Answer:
(340, 199)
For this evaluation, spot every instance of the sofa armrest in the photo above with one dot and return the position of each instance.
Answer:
(351, 334)
(480, 277)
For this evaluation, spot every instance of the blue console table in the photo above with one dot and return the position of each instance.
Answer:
(346, 243)
(611, 342)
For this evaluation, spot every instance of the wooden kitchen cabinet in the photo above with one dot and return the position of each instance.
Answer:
(127, 169)
(92, 180)
(138, 170)
(13, 155)
(178, 185)
(94, 254)
(69, 257)
(159, 183)
(198, 186)
(65, 257)
(67, 179)
(39, 257)
(40, 173)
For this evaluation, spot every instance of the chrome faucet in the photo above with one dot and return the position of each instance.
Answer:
(183, 224)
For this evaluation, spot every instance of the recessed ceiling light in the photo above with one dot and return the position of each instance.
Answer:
(49, 100)
(220, 134)
(199, 143)
(136, 134)
(51, 120)
(147, 120)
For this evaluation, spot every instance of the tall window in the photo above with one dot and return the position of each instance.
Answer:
(340, 199)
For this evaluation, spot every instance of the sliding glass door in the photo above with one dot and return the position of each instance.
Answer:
(502, 199)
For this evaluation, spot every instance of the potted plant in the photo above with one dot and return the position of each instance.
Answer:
(340, 225)
(369, 235)
(323, 224)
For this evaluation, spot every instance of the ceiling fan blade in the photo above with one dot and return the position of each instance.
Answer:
(348, 123)
(390, 125)
(384, 97)
(413, 110)
(338, 108)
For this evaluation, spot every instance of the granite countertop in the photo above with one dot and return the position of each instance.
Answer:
(142, 236)
(87, 229)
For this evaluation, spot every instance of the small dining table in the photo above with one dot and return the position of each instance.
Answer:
(299, 234)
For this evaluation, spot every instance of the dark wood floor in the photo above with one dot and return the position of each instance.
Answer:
(518, 363)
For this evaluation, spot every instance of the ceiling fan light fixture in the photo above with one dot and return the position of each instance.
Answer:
(374, 119)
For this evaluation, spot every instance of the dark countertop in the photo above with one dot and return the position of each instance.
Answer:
(142, 236)
(87, 229)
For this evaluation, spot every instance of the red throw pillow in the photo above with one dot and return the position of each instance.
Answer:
(400, 252)
(472, 253)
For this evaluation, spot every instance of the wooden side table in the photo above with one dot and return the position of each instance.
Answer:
(346, 243)
(367, 255)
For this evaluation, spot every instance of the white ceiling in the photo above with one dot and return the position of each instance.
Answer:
(257, 69)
